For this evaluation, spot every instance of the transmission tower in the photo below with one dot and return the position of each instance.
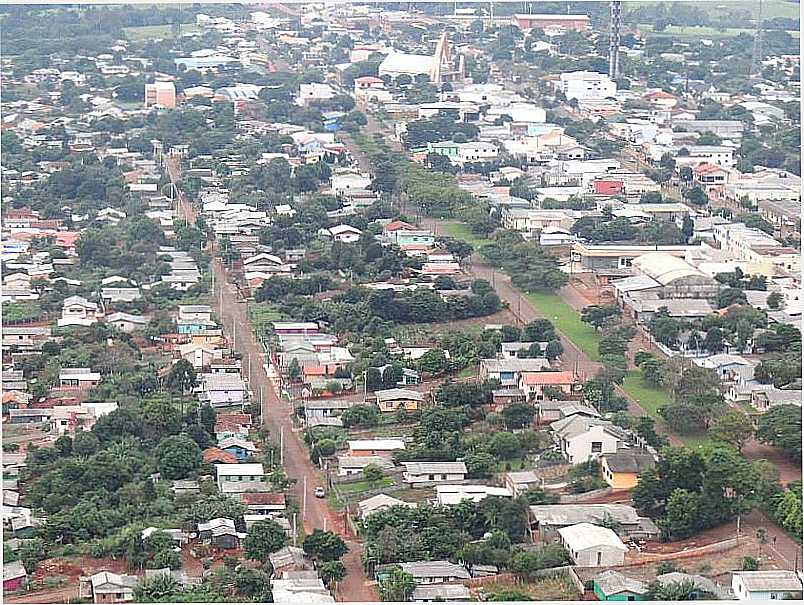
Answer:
(615, 21)
(756, 55)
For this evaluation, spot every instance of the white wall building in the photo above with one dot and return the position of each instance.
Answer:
(583, 85)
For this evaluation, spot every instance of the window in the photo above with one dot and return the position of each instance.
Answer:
(599, 558)
(597, 447)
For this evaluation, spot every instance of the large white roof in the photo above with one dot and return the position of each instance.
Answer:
(585, 535)
(404, 63)
(665, 268)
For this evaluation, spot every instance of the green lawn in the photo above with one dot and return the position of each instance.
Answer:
(363, 486)
(647, 396)
(462, 232)
(262, 314)
(677, 31)
(147, 32)
(568, 322)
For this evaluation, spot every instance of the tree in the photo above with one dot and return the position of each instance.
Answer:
(696, 196)
(181, 377)
(518, 415)
(331, 571)
(85, 443)
(732, 428)
(600, 315)
(775, 300)
(324, 545)
(294, 369)
(263, 538)
(528, 562)
(503, 445)
(781, 427)
(480, 464)
(361, 415)
(373, 473)
(433, 362)
(713, 342)
(397, 586)
(553, 350)
(685, 590)
(178, 456)
(156, 588)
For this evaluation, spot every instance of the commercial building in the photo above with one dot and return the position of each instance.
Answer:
(578, 23)
(582, 85)
(592, 546)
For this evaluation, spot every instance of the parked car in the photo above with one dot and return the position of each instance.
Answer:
(319, 492)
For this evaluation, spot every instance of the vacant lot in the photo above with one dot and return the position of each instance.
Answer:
(148, 32)
(567, 321)
(462, 232)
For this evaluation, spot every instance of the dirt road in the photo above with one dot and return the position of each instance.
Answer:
(276, 417)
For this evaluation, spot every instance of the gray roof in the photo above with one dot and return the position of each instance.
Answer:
(426, 468)
(289, 555)
(576, 424)
(700, 582)
(770, 580)
(568, 408)
(391, 394)
(572, 514)
(515, 364)
(612, 582)
(626, 461)
(435, 569)
(13, 570)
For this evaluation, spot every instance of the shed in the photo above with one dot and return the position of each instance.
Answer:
(592, 546)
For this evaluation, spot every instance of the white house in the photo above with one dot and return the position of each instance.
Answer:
(592, 546)
(240, 478)
(435, 572)
(766, 585)
(78, 311)
(126, 322)
(422, 474)
(345, 234)
(581, 438)
(310, 93)
(448, 495)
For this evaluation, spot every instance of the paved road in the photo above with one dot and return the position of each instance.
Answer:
(276, 417)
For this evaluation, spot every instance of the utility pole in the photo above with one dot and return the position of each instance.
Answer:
(304, 498)
(281, 445)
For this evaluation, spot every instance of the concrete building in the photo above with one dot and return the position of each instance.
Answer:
(423, 474)
(677, 278)
(582, 85)
(592, 546)
(160, 94)
(578, 23)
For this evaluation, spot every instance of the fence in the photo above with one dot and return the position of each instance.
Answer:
(647, 558)
(572, 498)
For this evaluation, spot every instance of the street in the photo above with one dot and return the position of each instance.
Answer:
(276, 413)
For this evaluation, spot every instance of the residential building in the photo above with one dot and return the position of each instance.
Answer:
(533, 384)
(435, 572)
(581, 438)
(25, 337)
(160, 94)
(611, 585)
(765, 397)
(547, 519)
(14, 576)
(237, 478)
(702, 588)
(519, 482)
(423, 474)
(126, 322)
(354, 465)
(79, 379)
(375, 447)
(621, 469)
(549, 411)
(442, 593)
(592, 546)
(78, 311)
(766, 585)
(508, 371)
(391, 400)
(108, 587)
(449, 495)
(379, 503)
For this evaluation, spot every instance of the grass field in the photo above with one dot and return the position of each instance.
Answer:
(147, 32)
(462, 232)
(770, 8)
(675, 31)
(567, 321)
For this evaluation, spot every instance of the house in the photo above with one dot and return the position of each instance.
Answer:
(202, 313)
(449, 495)
(222, 389)
(379, 503)
(264, 503)
(375, 447)
(14, 576)
(549, 411)
(354, 465)
(592, 546)
(391, 400)
(240, 478)
(442, 593)
(25, 337)
(160, 94)
(766, 585)
(611, 585)
(178, 536)
(199, 355)
(78, 311)
(581, 438)
(288, 559)
(534, 383)
(423, 474)
(435, 572)
(213, 455)
(220, 532)
(518, 482)
(302, 590)
(185, 486)
(108, 587)
(505, 396)
(547, 519)
(766, 396)
(238, 447)
(345, 234)
(79, 379)
(507, 371)
(126, 322)
(621, 469)
(703, 588)
(120, 295)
